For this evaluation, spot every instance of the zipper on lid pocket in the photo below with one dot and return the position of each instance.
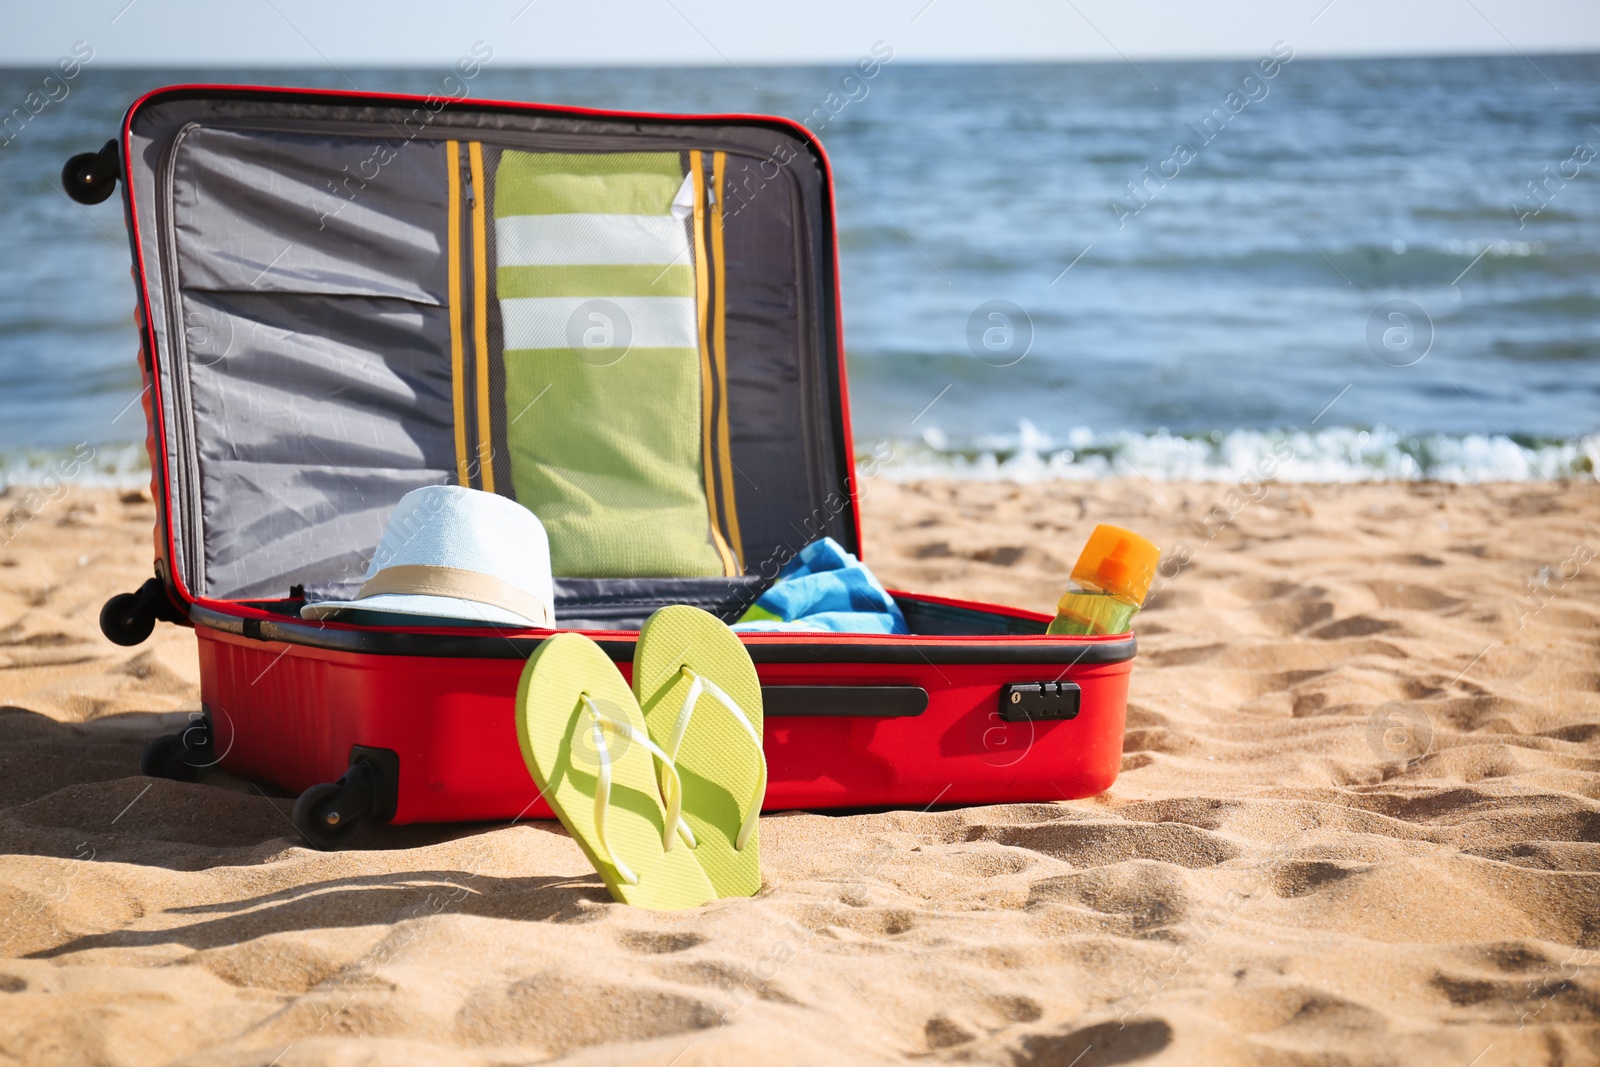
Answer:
(189, 536)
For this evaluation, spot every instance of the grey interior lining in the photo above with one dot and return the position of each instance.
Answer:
(268, 212)
(925, 617)
(606, 603)
(317, 353)
(774, 395)
(335, 407)
(303, 362)
(624, 603)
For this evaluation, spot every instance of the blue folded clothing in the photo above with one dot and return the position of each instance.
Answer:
(825, 588)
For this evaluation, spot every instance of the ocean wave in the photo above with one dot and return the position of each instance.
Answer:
(1337, 454)
(113, 466)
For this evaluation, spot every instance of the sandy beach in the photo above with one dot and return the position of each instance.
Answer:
(1358, 822)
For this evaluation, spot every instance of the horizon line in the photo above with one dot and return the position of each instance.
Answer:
(7, 65)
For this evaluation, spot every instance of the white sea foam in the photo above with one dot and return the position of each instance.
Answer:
(1337, 454)
(116, 466)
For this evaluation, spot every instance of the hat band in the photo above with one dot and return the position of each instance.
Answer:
(420, 579)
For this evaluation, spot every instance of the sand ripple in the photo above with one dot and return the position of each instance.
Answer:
(1358, 823)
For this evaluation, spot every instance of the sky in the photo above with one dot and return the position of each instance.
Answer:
(221, 33)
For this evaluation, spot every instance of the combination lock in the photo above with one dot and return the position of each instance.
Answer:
(1039, 701)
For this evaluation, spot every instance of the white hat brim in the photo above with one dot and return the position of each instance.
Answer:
(419, 604)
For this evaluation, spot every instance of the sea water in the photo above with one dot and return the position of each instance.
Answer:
(1186, 270)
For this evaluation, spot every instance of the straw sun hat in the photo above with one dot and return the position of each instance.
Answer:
(457, 553)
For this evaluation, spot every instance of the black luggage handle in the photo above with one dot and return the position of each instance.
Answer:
(91, 177)
(864, 701)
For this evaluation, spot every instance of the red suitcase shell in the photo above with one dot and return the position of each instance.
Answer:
(414, 724)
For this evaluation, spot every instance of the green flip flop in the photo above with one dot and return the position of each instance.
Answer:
(702, 704)
(587, 747)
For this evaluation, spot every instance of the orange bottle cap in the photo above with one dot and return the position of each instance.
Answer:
(1118, 562)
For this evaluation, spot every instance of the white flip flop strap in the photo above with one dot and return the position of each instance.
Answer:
(674, 792)
(673, 743)
(697, 686)
(602, 792)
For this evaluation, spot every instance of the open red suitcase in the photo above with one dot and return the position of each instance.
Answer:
(330, 317)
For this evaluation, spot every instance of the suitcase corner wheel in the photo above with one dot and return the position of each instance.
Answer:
(90, 177)
(183, 755)
(327, 813)
(129, 618)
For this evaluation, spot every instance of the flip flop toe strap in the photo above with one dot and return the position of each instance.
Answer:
(602, 790)
(699, 686)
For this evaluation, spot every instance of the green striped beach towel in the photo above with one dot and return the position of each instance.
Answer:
(603, 361)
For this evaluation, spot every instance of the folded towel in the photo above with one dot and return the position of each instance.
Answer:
(825, 588)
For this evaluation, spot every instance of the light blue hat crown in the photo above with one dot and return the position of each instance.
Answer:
(457, 553)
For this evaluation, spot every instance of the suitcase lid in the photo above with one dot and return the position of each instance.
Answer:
(628, 322)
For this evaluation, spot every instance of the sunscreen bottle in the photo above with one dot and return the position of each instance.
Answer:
(1109, 583)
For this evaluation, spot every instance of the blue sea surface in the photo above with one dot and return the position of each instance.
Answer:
(1191, 263)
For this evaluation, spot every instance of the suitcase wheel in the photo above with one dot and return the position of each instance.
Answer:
(122, 621)
(322, 818)
(181, 756)
(90, 177)
(327, 812)
(129, 618)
